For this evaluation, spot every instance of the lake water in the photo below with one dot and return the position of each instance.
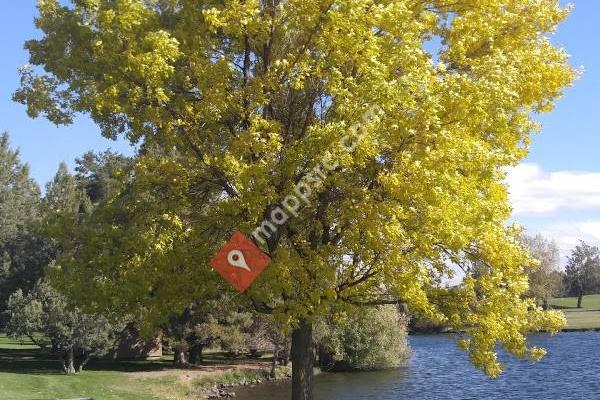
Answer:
(439, 370)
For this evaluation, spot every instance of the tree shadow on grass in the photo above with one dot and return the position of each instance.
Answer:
(38, 361)
(28, 361)
(128, 366)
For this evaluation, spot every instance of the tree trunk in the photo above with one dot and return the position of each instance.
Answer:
(285, 359)
(195, 354)
(69, 362)
(545, 304)
(302, 362)
(274, 363)
(283, 356)
(579, 299)
(84, 362)
(180, 359)
(326, 361)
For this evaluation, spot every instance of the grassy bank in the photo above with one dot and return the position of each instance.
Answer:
(587, 317)
(26, 372)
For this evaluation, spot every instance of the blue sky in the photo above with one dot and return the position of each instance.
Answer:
(555, 192)
(42, 145)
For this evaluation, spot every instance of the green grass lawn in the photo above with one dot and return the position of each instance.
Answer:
(589, 302)
(27, 373)
(587, 317)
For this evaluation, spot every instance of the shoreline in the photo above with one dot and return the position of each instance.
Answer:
(227, 390)
(452, 332)
(207, 382)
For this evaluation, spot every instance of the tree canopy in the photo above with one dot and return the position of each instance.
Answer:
(400, 150)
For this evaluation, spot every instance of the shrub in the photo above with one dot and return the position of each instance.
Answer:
(369, 339)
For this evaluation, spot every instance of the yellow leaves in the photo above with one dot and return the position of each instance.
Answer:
(234, 17)
(499, 315)
(463, 344)
(504, 44)
(162, 44)
(243, 100)
(546, 321)
(213, 18)
(48, 7)
(537, 353)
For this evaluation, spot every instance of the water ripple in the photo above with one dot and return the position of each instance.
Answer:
(439, 370)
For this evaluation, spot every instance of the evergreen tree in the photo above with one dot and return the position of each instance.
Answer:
(63, 206)
(63, 194)
(98, 173)
(23, 252)
(19, 194)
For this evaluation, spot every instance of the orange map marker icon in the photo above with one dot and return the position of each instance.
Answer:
(240, 261)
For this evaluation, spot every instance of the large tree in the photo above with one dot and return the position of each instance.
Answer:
(372, 159)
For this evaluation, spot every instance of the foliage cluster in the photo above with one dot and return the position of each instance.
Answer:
(369, 339)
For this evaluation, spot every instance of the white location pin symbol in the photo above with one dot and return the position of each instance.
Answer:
(236, 259)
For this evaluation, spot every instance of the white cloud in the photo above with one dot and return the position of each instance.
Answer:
(534, 191)
(551, 198)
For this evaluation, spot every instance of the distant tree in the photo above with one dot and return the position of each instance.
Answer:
(63, 207)
(583, 271)
(44, 316)
(544, 278)
(19, 194)
(368, 339)
(23, 261)
(23, 252)
(234, 335)
(63, 194)
(237, 331)
(264, 333)
(179, 334)
(28, 250)
(98, 173)
(205, 324)
(141, 216)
